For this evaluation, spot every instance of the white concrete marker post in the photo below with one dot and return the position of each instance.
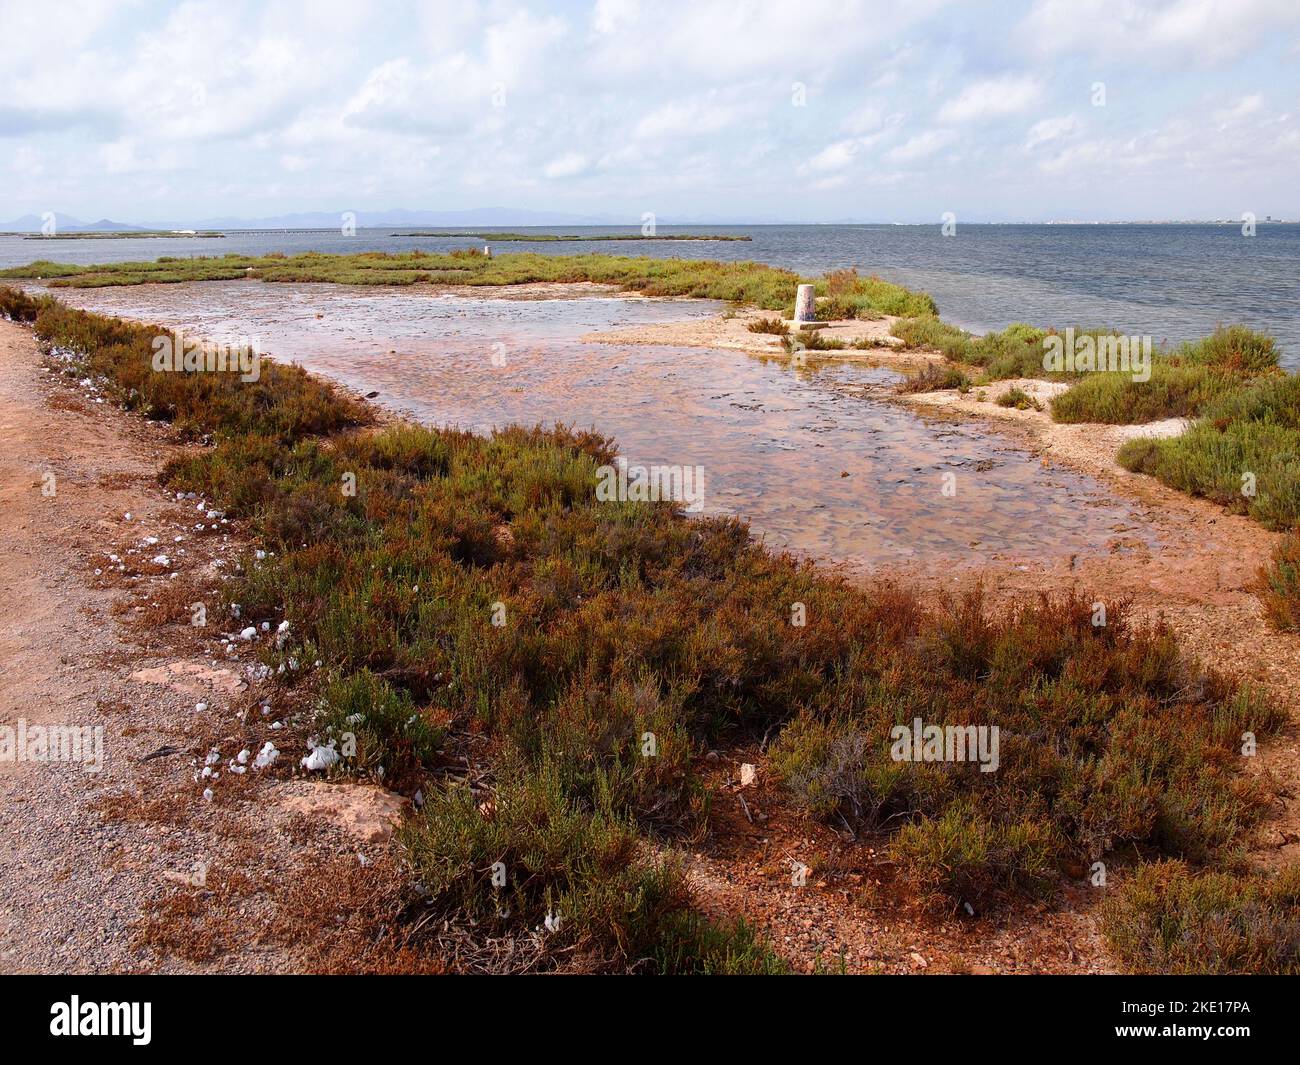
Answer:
(805, 304)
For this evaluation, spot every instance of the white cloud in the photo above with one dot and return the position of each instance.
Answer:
(566, 165)
(1243, 108)
(1050, 129)
(609, 16)
(827, 183)
(992, 98)
(1163, 31)
(921, 146)
(835, 156)
(686, 118)
(1192, 145)
(868, 118)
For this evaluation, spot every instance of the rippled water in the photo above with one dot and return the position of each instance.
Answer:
(1173, 282)
(813, 468)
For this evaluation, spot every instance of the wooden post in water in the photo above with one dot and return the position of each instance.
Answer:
(805, 304)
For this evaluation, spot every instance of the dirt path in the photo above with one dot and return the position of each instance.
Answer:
(99, 869)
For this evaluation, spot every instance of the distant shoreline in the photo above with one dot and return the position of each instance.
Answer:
(205, 235)
(547, 237)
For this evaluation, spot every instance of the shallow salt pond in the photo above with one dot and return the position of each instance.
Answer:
(814, 469)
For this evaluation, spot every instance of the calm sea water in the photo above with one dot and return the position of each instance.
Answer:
(1172, 282)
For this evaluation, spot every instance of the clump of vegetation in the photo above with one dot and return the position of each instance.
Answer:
(811, 340)
(1279, 585)
(1182, 384)
(935, 378)
(1019, 399)
(846, 295)
(1243, 453)
(928, 332)
(1169, 919)
(17, 306)
(394, 741)
(1107, 768)
(775, 326)
(286, 405)
(574, 867)
(1016, 351)
(1173, 391)
(965, 854)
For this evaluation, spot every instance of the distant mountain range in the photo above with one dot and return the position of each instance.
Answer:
(64, 223)
(482, 216)
(398, 218)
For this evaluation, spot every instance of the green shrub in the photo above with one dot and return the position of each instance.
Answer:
(927, 331)
(1168, 919)
(1234, 349)
(285, 403)
(846, 295)
(840, 771)
(531, 858)
(394, 741)
(775, 326)
(963, 855)
(935, 378)
(811, 340)
(1182, 383)
(17, 306)
(689, 944)
(1279, 585)
(1244, 453)
(1019, 399)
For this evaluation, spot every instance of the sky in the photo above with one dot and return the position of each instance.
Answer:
(727, 110)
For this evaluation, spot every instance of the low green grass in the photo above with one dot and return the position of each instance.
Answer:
(849, 296)
(1183, 382)
(1243, 453)
(749, 283)
(1016, 351)
(1173, 391)
(740, 282)
(1170, 919)
(287, 405)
